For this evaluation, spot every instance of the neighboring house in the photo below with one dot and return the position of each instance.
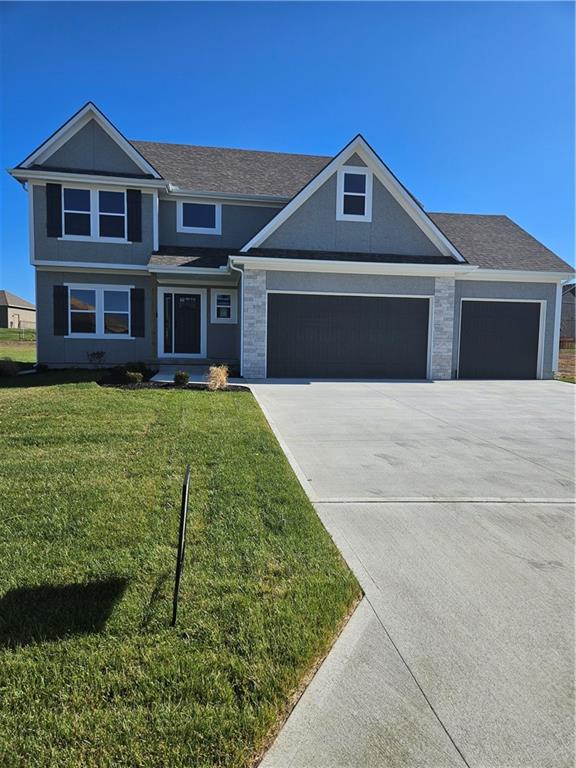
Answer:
(282, 265)
(568, 322)
(16, 312)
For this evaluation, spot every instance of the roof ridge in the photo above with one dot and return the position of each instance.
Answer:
(229, 149)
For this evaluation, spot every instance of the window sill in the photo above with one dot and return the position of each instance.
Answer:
(351, 217)
(220, 321)
(82, 239)
(96, 337)
(198, 231)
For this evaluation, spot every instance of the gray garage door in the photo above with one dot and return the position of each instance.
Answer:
(499, 340)
(317, 336)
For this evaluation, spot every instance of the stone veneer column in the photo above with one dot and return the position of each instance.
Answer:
(443, 328)
(254, 324)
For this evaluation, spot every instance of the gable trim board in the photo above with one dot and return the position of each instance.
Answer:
(360, 146)
(88, 112)
(40, 178)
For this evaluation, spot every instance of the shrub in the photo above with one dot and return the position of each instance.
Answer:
(96, 358)
(181, 378)
(217, 377)
(8, 367)
(133, 377)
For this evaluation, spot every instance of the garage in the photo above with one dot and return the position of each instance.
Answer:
(343, 336)
(499, 339)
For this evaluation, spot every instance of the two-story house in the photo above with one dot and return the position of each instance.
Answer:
(282, 265)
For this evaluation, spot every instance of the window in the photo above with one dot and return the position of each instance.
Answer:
(99, 311)
(354, 194)
(91, 214)
(199, 218)
(223, 307)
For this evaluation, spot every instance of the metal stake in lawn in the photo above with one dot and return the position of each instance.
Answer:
(181, 543)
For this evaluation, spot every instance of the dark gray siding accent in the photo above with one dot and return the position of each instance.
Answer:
(314, 227)
(63, 352)
(332, 283)
(239, 224)
(492, 289)
(91, 149)
(223, 343)
(53, 249)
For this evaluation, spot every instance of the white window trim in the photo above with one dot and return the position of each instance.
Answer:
(202, 292)
(367, 195)
(99, 311)
(233, 319)
(95, 216)
(216, 230)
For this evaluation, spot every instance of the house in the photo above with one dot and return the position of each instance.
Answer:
(282, 265)
(568, 317)
(16, 312)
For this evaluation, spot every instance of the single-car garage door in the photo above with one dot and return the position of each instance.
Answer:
(327, 336)
(499, 340)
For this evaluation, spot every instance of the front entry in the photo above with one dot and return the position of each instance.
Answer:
(181, 322)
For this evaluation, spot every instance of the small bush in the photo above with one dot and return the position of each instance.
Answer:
(8, 367)
(181, 378)
(140, 367)
(217, 377)
(133, 377)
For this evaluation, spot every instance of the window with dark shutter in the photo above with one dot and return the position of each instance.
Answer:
(134, 208)
(54, 210)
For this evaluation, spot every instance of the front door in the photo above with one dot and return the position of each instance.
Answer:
(181, 316)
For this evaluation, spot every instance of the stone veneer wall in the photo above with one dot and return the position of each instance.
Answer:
(443, 328)
(254, 324)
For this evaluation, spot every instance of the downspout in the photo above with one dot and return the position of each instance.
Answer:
(241, 272)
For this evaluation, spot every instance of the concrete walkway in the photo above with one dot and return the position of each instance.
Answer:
(452, 503)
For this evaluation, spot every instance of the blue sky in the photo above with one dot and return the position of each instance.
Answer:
(470, 104)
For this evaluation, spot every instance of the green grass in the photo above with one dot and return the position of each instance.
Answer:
(91, 674)
(14, 334)
(19, 346)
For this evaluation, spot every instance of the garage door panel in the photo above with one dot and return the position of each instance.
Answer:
(316, 336)
(499, 340)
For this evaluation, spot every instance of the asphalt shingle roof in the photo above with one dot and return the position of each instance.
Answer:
(8, 299)
(496, 242)
(232, 171)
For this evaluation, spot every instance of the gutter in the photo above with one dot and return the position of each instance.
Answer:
(241, 272)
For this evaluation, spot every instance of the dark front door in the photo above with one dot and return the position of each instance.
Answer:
(182, 319)
(499, 340)
(363, 337)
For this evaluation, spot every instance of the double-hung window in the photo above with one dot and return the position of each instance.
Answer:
(99, 311)
(199, 217)
(223, 306)
(354, 194)
(92, 214)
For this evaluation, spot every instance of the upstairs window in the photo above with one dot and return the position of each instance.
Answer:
(354, 194)
(92, 214)
(199, 218)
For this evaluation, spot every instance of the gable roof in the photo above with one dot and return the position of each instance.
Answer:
(232, 171)
(359, 146)
(81, 118)
(497, 242)
(8, 299)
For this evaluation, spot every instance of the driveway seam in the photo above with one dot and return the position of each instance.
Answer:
(395, 646)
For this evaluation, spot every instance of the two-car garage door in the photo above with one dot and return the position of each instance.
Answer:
(343, 336)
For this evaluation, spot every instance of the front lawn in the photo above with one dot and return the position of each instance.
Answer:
(17, 345)
(91, 674)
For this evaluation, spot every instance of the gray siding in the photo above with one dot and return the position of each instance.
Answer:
(331, 283)
(223, 340)
(314, 227)
(91, 149)
(503, 290)
(53, 249)
(239, 224)
(60, 351)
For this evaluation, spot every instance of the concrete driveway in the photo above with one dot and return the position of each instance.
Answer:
(453, 504)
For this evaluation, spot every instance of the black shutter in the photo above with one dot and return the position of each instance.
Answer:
(60, 310)
(137, 311)
(134, 210)
(54, 210)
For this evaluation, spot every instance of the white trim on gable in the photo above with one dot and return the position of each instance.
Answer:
(88, 112)
(373, 163)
